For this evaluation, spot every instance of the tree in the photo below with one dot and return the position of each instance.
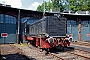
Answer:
(47, 6)
(78, 5)
(61, 5)
(55, 5)
(40, 8)
(88, 6)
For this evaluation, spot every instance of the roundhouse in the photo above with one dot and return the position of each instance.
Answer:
(12, 24)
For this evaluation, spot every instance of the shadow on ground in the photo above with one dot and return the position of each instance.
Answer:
(56, 50)
(16, 56)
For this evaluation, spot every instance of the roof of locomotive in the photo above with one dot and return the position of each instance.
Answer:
(42, 19)
(39, 20)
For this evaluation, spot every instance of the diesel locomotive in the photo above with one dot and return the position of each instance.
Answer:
(48, 32)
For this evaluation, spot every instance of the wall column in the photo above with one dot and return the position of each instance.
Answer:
(18, 28)
(79, 29)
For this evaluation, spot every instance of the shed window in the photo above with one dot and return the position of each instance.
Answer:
(68, 23)
(1, 18)
(10, 19)
(73, 23)
(84, 23)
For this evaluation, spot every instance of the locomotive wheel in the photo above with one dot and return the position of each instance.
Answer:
(47, 51)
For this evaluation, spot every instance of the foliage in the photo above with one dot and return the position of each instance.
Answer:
(88, 5)
(41, 7)
(55, 5)
(61, 5)
(78, 5)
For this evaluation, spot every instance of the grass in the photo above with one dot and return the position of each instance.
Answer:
(23, 44)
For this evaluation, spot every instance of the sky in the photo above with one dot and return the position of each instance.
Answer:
(23, 4)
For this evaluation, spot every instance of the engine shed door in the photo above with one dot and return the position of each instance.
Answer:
(85, 30)
(8, 25)
(72, 29)
(1, 30)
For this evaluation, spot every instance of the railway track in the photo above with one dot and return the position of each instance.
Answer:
(17, 49)
(9, 50)
(81, 53)
(56, 56)
(49, 54)
(77, 54)
(70, 55)
(87, 44)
